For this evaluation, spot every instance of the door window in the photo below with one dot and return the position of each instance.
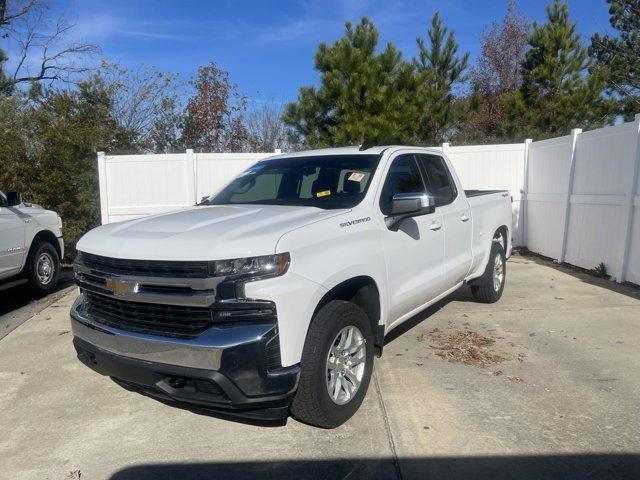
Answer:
(439, 182)
(403, 177)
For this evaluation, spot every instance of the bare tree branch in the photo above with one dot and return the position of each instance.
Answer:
(7, 18)
(43, 54)
(140, 98)
(266, 130)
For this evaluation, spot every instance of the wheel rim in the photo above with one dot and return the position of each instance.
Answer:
(498, 273)
(346, 362)
(45, 268)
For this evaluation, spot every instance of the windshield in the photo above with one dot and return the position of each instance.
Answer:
(328, 181)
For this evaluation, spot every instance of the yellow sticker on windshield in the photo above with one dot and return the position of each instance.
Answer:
(323, 193)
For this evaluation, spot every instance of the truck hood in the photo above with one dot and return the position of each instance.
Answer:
(41, 215)
(202, 233)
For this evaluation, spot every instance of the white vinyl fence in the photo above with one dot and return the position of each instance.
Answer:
(133, 186)
(583, 203)
(575, 198)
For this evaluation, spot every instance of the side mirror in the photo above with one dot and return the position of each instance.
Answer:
(405, 205)
(13, 199)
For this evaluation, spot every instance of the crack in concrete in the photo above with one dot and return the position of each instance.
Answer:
(387, 427)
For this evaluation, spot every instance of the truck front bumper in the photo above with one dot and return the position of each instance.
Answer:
(222, 370)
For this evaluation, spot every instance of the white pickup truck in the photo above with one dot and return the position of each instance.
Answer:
(274, 295)
(31, 244)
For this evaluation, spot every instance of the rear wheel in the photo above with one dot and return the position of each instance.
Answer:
(43, 268)
(489, 287)
(336, 365)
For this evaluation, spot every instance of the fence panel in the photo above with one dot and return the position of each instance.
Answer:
(492, 167)
(133, 186)
(597, 227)
(631, 262)
(633, 265)
(548, 181)
(138, 185)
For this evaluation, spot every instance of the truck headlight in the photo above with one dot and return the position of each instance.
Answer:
(265, 266)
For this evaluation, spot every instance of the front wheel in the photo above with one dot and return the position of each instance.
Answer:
(336, 365)
(488, 288)
(43, 268)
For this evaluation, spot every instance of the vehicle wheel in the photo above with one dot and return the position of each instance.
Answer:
(43, 268)
(336, 366)
(489, 287)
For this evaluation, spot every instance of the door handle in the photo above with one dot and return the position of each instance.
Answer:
(435, 226)
(464, 217)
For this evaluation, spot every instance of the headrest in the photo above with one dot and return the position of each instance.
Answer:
(350, 186)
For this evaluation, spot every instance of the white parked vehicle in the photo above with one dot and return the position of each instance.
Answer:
(31, 244)
(275, 294)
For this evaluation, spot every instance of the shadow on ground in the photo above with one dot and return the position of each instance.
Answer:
(463, 294)
(17, 297)
(578, 467)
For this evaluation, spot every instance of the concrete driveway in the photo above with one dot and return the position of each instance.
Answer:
(19, 304)
(558, 397)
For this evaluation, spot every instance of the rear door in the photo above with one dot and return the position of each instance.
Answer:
(415, 252)
(11, 239)
(456, 215)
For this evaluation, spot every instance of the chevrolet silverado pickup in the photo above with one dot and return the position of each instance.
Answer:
(31, 244)
(273, 296)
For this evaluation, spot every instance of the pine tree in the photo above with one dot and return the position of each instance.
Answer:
(364, 96)
(557, 92)
(620, 56)
(439, 69)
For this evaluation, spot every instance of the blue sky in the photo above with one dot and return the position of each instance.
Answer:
(268, 46)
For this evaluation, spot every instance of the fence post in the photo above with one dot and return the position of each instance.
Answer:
(567, 201)
(191, 177)
(523, 193)
(102, 182)
(630, 205)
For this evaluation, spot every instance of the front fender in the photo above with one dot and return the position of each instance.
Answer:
(326, 254)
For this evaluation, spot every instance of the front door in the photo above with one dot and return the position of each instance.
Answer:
(414, 253)
(11, 239)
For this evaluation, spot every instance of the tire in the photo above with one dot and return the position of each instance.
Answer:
(313, 403)
(43, 268)
(484, 289)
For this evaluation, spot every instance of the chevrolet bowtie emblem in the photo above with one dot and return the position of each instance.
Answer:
(121, 287)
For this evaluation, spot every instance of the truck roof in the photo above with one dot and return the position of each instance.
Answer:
(351, 151)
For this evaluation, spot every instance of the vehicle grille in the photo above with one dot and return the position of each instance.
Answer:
(145, 268)
(150, 318)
